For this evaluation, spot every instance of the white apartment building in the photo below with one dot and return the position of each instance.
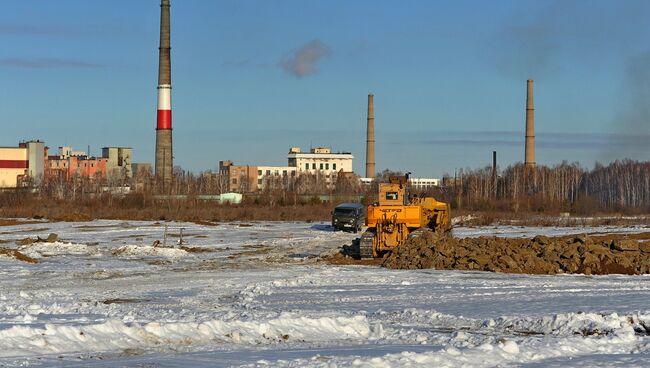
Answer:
(416, 183)
(320, 160)
(274, 175)
(424, 183)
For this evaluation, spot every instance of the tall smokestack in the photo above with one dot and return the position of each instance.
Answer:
(370, 139)
(530, 127)
(164, 155)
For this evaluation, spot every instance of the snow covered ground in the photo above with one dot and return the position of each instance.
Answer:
(257, 295)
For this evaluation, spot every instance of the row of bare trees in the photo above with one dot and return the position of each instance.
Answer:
(618, 186)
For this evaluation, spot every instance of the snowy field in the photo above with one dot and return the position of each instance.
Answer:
(258, 296)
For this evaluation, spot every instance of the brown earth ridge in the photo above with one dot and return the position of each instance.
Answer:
(583, 254)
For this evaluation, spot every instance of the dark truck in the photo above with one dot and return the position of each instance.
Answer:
(349, 216)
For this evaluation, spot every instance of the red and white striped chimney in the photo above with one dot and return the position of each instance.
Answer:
(164, 154)
(164, 120)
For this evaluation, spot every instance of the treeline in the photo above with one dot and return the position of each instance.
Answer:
(621, 186)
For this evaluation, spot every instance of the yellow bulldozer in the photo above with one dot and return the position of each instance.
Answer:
(397, 216)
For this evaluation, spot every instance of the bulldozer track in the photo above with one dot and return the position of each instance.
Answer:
(419, 232)
(365, 244)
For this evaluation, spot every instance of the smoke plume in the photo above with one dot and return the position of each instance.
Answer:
(633, 116)
(542, 39)
(302, 61)
(556, 37)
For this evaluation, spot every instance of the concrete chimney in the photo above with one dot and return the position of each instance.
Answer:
(370, 139)
(530, 127)
(164, 153)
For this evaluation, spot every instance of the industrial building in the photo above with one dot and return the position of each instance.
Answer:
(275, 177)
(424, 183)
(238, 178)
(114, 164)
(318, 161)
(68, 164)
(17, 164)
(119, 162)
(416, 183)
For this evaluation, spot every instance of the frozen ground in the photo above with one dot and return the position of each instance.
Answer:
(102, 296)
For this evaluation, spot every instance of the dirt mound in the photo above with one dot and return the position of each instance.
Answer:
(15, 254)
(604, 254)
(50, 239)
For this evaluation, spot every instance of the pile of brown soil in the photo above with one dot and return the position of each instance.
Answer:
(15, 254)
(601, 254)
(50, 239)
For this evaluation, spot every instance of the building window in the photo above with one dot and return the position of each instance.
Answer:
(333, 166)
(306, 166)
(259, 181)
(234, 180)
(268, 172)
(293, 173)
(276, 172)
(284, 172)
(259, 172)
(327, 166)
(313, 166)
(321, 166)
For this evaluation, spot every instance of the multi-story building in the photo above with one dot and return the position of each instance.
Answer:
(115, 164)
(13, 166)
(415, 183)
(240, 178)
(424, 183)
(68, 164)
(119, 162)
(275, 177)
(320, 160)
(22, 162)
(66, 151)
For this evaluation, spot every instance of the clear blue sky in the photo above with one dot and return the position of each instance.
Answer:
(252, 78)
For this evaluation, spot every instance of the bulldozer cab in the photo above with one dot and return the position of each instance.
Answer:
(394, 192)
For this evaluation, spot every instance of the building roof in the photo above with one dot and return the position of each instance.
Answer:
(320, 155)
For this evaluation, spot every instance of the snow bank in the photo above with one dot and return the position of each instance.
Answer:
(567, 324)
(563, 324)
(504, 341)
(116, 335)
(149, 251)
(500, 352)
(38, 250)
